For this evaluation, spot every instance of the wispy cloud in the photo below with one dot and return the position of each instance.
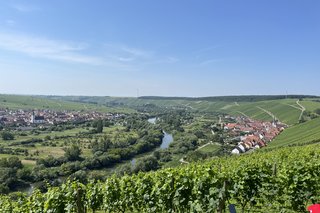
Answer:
(207, 55)
(163, 60)
(172, 60)
(25, 7)
(10, 22)
(210, 61)
(121, 57)
(136, 52)
(136, 56)
(126, 53)
(206, 49)
(47, 48)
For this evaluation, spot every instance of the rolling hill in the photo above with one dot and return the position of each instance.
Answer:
(39, 102)
(258, 107)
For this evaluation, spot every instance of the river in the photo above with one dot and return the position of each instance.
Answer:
(166, 140)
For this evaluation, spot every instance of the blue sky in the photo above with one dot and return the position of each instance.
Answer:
(167, 47)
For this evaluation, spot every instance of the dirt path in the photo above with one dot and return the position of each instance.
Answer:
(269, 113)
(183, 161)
(243, 114)
(299, 107)
(293, 106)
(207, 144)
(302, 109)
(188, 105)
(213, 133)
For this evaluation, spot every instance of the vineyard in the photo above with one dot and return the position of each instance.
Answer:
(283, 180)
(301, 133)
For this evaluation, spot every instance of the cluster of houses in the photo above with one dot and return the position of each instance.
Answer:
(252, 134)
(32, 117)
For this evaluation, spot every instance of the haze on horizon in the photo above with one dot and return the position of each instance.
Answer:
(162, 48)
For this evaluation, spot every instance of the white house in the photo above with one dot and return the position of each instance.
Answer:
(37, 119)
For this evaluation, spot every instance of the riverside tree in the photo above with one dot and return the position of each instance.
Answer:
(73, 153)
(7, 136)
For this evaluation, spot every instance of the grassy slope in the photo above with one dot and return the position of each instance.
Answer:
(301, 133)
(310, 105)
(211, 148)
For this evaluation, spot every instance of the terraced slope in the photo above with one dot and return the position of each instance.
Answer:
(310, 105)
(287, 111)
(302, 133)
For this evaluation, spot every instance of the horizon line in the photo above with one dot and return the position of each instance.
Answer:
(165, 96)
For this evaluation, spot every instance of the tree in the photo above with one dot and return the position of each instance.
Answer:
(195, 156)
(25, 174)
(73, 153)
(146, 164)
(11, 162)
(14, 162)
(317, 111)
(47, 138)
(101, 145)
(199, 134)
(7, 136)
(99, 126)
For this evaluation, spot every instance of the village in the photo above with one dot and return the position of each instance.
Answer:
(28, 118)
(251, 134)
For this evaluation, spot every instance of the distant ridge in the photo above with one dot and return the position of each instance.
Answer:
(241, 98)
